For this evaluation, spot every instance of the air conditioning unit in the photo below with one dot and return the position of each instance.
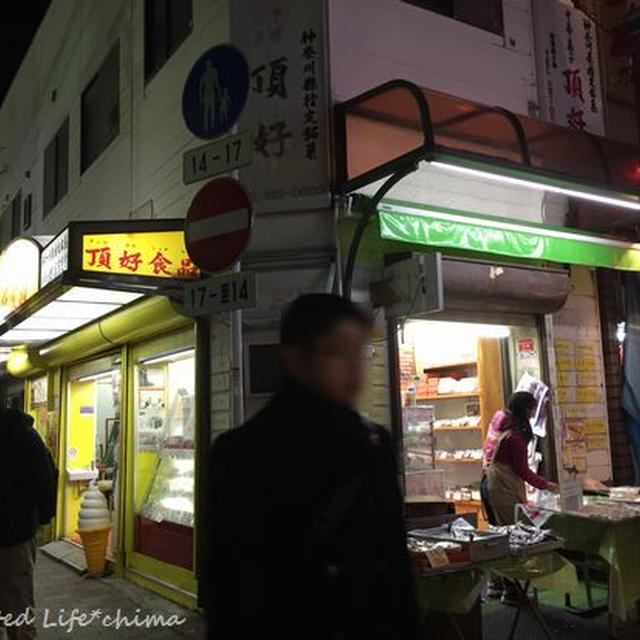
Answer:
(412, 286)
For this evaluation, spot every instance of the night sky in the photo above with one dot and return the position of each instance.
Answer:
(19, 26)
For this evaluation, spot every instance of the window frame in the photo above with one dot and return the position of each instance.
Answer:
(169, 47)
(85, 161)
(16, 214)
(60, 190)
(421, 4)
(27, 211)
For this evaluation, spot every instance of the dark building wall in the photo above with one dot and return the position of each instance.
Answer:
(610, 315)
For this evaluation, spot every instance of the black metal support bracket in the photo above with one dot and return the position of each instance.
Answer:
(370, 211)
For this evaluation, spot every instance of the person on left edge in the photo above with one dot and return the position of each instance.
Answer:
(27, 500)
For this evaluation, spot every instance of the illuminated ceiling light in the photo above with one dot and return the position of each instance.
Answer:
(50, 323)
(96, 376)
(73, 309)
(626, 201)
(19, 336)
(93, 295)
(172, 357)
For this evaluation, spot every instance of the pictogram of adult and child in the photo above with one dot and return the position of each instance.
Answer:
(214, 98)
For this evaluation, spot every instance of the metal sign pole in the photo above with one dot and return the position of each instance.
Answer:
(237, 368)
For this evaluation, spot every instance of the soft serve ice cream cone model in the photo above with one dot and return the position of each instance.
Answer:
(94, 526)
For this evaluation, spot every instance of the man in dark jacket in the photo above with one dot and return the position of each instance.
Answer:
(27, 500)
(306, 535)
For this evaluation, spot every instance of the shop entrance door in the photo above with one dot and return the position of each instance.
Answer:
(94, 401)
(453, 377)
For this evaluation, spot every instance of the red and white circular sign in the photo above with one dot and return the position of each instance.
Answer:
(218, 224)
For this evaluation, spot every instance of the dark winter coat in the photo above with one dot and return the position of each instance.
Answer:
(27, 479)
(306, 537)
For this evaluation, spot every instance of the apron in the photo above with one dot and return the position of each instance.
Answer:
(506, 489)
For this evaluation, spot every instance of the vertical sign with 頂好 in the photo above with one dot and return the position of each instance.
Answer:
(569, 86)
(287, 107)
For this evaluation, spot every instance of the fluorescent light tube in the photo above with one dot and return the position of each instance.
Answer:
(540, 186)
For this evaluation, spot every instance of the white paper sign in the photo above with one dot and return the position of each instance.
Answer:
(287, 109)
(571, 495)
(567, 63)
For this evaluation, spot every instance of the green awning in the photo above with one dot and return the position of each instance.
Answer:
(448, 228)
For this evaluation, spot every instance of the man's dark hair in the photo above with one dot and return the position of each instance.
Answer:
(313, 315)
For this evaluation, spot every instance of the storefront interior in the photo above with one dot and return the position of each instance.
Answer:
(92, 438)
(453, 377)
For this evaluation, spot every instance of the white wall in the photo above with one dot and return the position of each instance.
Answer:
(141, 171)
(373, 41)
(139, 175)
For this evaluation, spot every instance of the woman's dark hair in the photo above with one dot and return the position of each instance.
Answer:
(314, 315)
(520, 404)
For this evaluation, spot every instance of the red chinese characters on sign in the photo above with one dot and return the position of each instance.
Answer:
(100, 257)
(573, 83)
(130, 261)
(187, 268)
(160, 264)
(575, 119)
(526, 345)
(131, 258)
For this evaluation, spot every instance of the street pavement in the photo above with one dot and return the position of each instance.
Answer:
(60, 590)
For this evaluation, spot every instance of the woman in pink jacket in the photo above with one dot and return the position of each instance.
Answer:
(505, 471)
(506, 465)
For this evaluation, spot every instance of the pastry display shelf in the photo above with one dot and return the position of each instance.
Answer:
(448, 396)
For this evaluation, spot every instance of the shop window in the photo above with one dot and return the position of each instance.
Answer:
(101, 109)
(16, 215)
(454, 376)
(27, 210)
(167, 23)
(56, 169)
(165, 457)
(485, 15)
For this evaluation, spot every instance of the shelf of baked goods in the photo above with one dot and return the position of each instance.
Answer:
(462, 456)
(448, 396)
(463, 364)
(448, 382)
(465, 423)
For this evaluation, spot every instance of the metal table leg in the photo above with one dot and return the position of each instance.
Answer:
(524, 602)
(456, 626)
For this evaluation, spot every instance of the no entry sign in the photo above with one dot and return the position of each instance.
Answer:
(218, 224)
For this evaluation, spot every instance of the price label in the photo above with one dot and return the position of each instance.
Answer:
(222, 293)
(215, 158)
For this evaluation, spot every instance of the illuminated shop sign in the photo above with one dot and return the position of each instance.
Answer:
(55, 258)
(19, 274)
(124, 251)
(160, 255)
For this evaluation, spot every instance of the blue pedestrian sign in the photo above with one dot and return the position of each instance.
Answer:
(215, 91)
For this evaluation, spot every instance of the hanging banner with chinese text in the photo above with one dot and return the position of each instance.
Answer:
(287, 108)
(567, 65)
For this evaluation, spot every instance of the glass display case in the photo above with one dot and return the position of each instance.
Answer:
(170, 495)
(165, 457)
